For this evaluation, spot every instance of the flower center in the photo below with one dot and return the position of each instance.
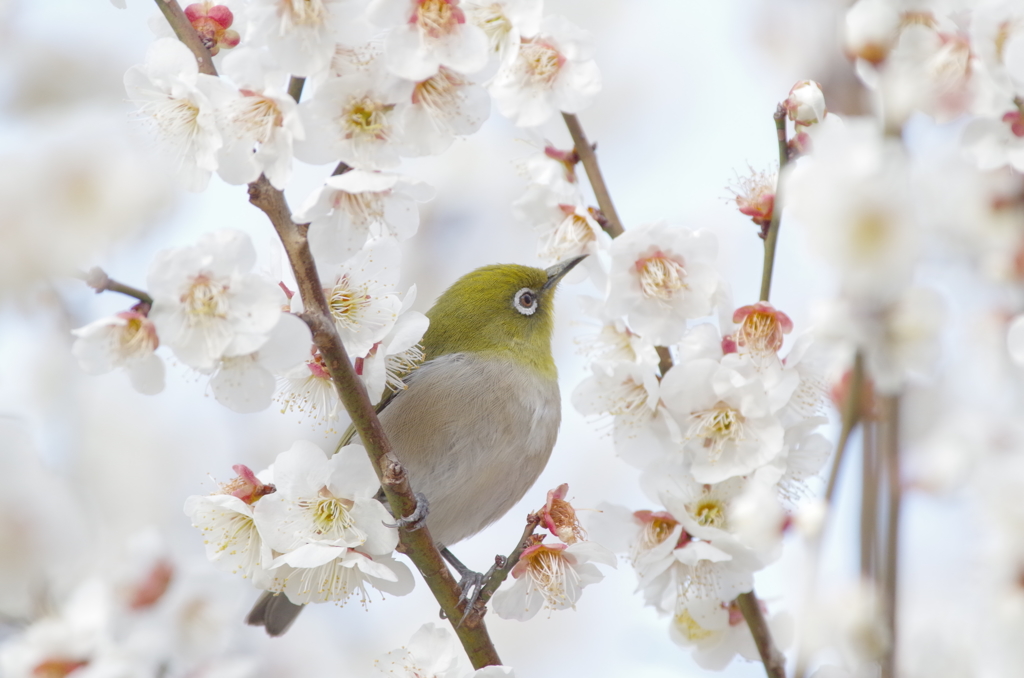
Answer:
(257, 115)
(542, 61)
(363, 208)
(494, 23)
(57, 668)
(717, 426)
(441, 94)
(660, 277)
(709, 513)
(366, 117)
(689, 628)
(346, 304)
(303, 12)
(871, 233)
(438, 17)
(205, 299)
(330, 515)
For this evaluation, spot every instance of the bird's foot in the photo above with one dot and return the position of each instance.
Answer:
(417, 518)
(471, 584)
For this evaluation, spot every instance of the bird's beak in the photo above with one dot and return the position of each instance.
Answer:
(556, 272)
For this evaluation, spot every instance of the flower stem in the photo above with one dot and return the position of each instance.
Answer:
(889, 448)
(98, 279)
(774, 660)
(589, 159)
(772, 238)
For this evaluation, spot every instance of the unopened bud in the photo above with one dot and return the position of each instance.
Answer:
(870, 30)
(213, 24)
(806, 103)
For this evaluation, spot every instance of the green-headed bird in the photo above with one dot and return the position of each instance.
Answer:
(476, 424)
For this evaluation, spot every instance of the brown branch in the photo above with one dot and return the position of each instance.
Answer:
(417, 545)
(589, 159)
(889, 449)
(774, 660)
(852, 409)
(187, 34)
(98, 279)
(772, 238)
(502, 570)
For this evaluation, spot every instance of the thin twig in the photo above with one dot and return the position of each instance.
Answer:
(98, 279)
(772, 239)
(851, 416)
(187, 34)
(589, 159)
(889, 447)
(418, 544)
(870, 481)
(774, 660)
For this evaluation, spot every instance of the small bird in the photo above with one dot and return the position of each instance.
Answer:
(478, 419)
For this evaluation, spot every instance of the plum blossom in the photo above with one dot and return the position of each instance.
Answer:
(302, 34)
(308, 388)
(761, 328)
(505, 22)
(722, 633)
(232, 539)
(395, 356)
(559, 517)
(328, 527)
(566, 228)
(207, 304)
(353, 206)
(553, 71)
(871, 28)
(996, 142)
(551, 576)
(181, 101)
(246, 383)
(127, 339)
(726, 411)
(660, 277)
(360, 295)
(261, 115)
(434, 652)
(805, 104)
(426, 35)
(755, 197)
(355, 118)
(444, 106)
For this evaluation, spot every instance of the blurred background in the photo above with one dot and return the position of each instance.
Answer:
(95, 474)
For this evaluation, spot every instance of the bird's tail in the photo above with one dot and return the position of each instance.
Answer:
(274, 612)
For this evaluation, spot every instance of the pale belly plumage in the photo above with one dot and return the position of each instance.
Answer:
(474, 433)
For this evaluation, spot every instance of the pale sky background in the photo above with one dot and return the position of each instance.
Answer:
(687, 103)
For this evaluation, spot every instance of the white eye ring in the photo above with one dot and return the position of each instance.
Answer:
(525, 301)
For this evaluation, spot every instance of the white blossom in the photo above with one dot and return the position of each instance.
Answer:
(206, 302)
(126, 340)
(553, 71)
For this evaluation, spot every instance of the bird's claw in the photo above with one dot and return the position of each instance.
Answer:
(416, 519)
(472, 586)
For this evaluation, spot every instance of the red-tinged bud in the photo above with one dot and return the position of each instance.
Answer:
(799, 144)
(805, 104)
(246, 486)
(755, 197)
(57, 668)
(567, 158)
(213, 24)
(152, 588)
(840, 391)
(729, 345)
(1016, 124)
(761, 327)
(559, 517)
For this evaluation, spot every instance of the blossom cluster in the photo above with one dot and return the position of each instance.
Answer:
(150, 614)
(308, 527)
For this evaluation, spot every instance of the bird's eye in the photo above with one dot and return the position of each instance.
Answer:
(525, 301)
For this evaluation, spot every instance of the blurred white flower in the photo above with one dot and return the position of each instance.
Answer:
(444, 106)
(721, 632)
(553, 71)
(505, 22)
(182, 102)
(356, 119)
(127, 340)
(260, 115)
(353, 206)
(206, 303)
(428, 34)
(302, 34)
(566, 228)
(246, 383)
(1015, 340)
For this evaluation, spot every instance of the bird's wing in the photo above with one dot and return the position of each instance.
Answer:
(389, 396)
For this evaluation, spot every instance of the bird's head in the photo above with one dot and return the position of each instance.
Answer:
(502, 310)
